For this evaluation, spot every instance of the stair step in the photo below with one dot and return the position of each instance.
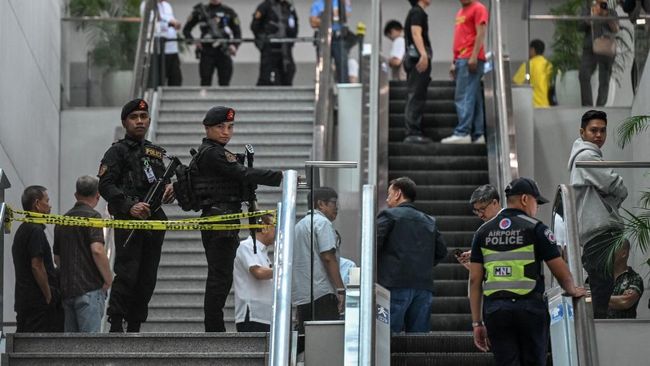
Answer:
(186, 310)
(243, 115)
(181, 325)
(241, 128)
(127, 343)
(280, 138)
(193, 106)
(136, 358)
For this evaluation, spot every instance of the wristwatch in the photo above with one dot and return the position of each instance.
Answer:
(477, 324)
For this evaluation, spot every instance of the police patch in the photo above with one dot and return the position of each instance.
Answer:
(503, 271)
(102, 170)
(230, 157)
(154, 153)
(505, 224)
(550, 236)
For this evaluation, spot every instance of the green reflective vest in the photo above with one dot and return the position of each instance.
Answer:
(504, 270)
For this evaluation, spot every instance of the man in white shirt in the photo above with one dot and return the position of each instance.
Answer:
(253, 279)
(169, 65)
(395, 32)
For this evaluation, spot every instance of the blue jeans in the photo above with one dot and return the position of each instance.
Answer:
(469, 100)
(84, 313)
(410, 310)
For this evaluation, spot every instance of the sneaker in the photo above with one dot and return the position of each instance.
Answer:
(417, 139)
(455, 139)
(480, 140)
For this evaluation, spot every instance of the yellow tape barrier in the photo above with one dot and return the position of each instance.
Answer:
(201, 223)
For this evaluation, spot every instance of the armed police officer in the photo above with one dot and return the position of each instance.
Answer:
(275, 19)
(217, 22)
(127, 171)
(223, 183)
(506, 274)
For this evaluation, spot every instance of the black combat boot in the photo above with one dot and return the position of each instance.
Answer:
(117, 325)
(133, 327)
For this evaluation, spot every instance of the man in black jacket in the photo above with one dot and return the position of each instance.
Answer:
(408, 243)
(275, 19)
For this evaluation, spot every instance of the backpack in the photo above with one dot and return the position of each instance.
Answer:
(185, 174)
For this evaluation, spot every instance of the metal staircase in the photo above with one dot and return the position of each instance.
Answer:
(446, 175)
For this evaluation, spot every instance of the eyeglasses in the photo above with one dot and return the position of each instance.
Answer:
(481, 210)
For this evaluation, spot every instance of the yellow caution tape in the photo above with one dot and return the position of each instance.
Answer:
(202, 223)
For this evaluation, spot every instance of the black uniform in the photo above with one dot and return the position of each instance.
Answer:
(228, 27)
(128, 169)
(275, 19)
(225, 183)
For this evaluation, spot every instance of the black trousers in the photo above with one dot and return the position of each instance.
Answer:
(325, 308)
(136, 271)
(588, 65)
(220, 249)
(211, 59)
(601, 281)
(417, 84)
(173, 74)
(40, 318)
(274, 62)
(248, 326)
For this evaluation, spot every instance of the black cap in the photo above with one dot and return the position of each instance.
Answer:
(218, 115)
(134, 105)
(525, 186)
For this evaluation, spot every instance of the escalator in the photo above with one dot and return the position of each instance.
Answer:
(446, 176)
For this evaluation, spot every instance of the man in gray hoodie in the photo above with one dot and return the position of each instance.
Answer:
(599, 194)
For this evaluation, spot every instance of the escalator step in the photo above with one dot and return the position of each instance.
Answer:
(441, 359)
(438, 163)
(430, 106)
(448, 304)
(430, 120)
(433, 92)
(436, 148)
(449, 287)
(451, 322)
(436, 134)
(458, 223)
(458, 239)
(448, 271)
(441, 342)
(446, 192)
(433, 83)
(444, 207)
(476, 177)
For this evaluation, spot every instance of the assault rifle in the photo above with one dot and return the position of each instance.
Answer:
(215, 32)
(156, 191)
(252, 198)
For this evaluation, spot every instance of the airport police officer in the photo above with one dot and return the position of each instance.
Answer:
(127, 171)
(217, 21)
(275, 19)
(223, 184)
(506, 274)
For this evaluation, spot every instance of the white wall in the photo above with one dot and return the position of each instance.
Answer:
(29, 107)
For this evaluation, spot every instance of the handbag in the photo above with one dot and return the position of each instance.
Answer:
(604, 46)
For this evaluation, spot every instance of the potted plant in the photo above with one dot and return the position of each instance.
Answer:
(114, 43)
(567, 50)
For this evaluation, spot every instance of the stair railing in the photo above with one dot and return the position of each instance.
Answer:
(144, 50)
(500, 126)
(323, 114)
(378, 116)
(4, 184)
(585, 332)
(280, 336)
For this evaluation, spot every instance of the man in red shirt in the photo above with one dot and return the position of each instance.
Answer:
(467, 69)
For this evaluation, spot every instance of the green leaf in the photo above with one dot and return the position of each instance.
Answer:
(631, 127)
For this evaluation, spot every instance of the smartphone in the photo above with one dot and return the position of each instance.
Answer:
(458, 252)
